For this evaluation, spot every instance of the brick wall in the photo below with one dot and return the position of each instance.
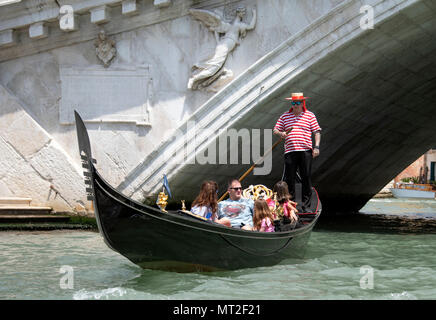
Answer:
(414, 169)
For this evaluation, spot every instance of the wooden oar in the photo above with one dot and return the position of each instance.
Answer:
(255, 164)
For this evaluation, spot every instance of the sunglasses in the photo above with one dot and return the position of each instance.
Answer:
(297, 103)
(236, 189)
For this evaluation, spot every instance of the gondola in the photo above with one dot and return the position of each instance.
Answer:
(176, 241)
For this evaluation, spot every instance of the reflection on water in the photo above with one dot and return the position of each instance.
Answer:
(395, 239)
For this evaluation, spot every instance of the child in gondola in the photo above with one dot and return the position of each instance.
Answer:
(263, 217)
(206, 203)
(282, 206)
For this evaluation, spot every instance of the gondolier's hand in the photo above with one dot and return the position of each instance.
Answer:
(315, 152)
(282, 134)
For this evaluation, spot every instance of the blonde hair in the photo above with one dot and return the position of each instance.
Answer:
(261, 211)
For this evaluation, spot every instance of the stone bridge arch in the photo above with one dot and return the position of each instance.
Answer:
(372, 91)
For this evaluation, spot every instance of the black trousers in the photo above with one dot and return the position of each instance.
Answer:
(301, 160)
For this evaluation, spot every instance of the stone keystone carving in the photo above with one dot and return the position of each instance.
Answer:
(105, 48)
(227, 36)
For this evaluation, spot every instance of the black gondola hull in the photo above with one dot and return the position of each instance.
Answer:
(175, 241)
(172, 241)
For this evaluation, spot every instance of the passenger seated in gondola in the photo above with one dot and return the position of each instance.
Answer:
(206, 203)
(236, 210)
(263, 217)
(284, 207)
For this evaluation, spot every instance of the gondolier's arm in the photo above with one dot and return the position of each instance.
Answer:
(282, 134)
(315, 152)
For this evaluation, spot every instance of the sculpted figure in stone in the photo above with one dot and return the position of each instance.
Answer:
(227, 36)
(105, 48)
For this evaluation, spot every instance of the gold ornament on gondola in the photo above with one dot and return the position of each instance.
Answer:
(257, 192)
(162, 201)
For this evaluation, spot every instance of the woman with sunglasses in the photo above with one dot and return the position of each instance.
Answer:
(296, 126)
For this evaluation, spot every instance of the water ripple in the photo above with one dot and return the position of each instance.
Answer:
(105, 294)
(402, 268)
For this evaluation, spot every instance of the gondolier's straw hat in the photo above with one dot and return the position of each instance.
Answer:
(297, 96)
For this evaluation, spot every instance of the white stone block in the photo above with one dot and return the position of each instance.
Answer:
(53, 165)
(102, 95)
(100, 15)
(4, 190)
(162, 3)
(129, 7)
(25, 135)
(38, 30)
(7, 38)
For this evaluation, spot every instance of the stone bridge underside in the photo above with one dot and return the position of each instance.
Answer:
(373, 92)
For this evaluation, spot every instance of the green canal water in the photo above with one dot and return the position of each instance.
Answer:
(385, 252)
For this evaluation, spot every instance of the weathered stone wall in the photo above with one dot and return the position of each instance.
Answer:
(160, 37)
(33, 164)
(364, 86)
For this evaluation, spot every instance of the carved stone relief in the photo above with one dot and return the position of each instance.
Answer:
(105, 49)
(227, 35)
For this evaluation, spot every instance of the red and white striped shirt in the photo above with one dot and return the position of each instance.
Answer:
(300, 138)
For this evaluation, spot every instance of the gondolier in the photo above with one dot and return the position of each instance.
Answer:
(296, 126)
